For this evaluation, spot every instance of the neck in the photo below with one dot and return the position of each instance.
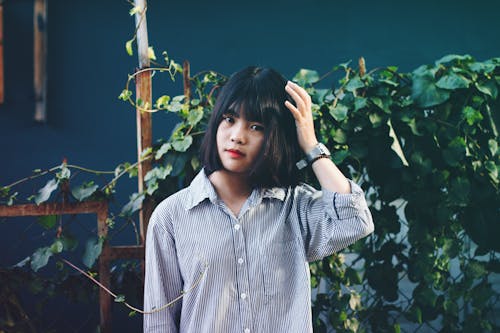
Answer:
(232, 188)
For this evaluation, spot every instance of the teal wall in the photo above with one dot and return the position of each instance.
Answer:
(88, 66)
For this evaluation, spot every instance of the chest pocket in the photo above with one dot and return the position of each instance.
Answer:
(284, 268)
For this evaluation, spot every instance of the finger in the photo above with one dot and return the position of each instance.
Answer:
(295, 112)
(300, 91)
(301, 104)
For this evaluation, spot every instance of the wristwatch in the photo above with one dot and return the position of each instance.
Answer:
(319, 151)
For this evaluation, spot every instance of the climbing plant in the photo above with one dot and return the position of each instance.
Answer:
(424, 147)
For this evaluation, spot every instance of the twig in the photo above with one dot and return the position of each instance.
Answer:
(197, 282)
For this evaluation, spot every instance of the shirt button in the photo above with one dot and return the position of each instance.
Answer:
(243, 295)
(240, 261)
(247, 330)
(237, 226)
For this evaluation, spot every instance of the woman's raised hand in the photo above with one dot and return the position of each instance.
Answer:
(303, 116)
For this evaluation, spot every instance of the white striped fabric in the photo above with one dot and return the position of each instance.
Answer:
(246, 273)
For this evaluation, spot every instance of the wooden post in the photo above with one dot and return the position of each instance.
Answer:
(143, 93)
(2, 86)
(186, 75)
(40, 59)
(105, 300)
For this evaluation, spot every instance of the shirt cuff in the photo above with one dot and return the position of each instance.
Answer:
(346, 205)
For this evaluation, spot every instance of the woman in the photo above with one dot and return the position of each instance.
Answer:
(238, 240)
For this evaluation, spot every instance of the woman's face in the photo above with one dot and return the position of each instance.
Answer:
(239, 142)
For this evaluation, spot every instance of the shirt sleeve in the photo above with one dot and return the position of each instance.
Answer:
(331, 221)
(163, 281)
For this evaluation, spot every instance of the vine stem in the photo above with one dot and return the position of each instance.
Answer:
(31, 177)
(124, 171)
(25, 179)
(197, 282)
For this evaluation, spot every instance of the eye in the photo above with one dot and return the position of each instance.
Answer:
(257, 127)
(228, 118)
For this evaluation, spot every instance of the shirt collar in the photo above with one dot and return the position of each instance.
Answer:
(201, 188)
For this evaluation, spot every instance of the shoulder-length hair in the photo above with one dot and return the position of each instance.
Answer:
(260, 94)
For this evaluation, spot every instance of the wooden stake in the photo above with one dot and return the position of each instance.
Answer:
(2, 86)
(40, 59)
(187, 80)
(143, 93)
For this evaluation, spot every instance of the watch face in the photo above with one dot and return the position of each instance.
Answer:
(323, 149)
(319, 150)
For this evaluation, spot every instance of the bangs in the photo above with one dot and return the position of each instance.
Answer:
(256, 101)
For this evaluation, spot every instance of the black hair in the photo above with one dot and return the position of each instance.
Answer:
(260, 94)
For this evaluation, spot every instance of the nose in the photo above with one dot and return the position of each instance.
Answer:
(238, 134)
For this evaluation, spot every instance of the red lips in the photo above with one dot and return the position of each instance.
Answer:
(234, 153)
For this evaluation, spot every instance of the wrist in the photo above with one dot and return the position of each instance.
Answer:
(316, 152)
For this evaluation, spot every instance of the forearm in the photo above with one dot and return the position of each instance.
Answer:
(330, 177)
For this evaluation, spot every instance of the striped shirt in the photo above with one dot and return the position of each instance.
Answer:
(246, 273)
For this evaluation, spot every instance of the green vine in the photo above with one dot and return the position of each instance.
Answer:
(424, 146)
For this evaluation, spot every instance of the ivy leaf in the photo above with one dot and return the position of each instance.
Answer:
(455, 152)
(176, 104)
(339, 156)
(128, 47)
(306, 77)
(57, 246)
(339, 136)
(194, 116)
(375, 119)
(454, 58)
(155, 174)
(134, 10)
(492, 170)
(151, 53)
(22, 263)
(488, 88)
(453, 81)
(45, 192)
(84, 191)
(93, 249)
(396, 147)
(339, 112)
(354, 84)
(425, 93)
(424, 295)
(360, 103)
(472, 115)
(183, 144)
(415, 314)
(475, 269)
(493, 146)
(163, 150)
(482, 67)
(162, 101)
(69, 242)
(125, 95)
(47, 221)
(133, 205)
(120, 298)
(40, 258)
(64, 174)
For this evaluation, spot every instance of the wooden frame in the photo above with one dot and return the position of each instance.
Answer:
(2, 84)
(40, 59)
(108, 253)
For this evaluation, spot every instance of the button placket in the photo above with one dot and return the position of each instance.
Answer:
(242, 273)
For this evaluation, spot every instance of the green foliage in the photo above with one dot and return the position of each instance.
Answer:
(424, 145)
